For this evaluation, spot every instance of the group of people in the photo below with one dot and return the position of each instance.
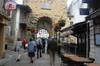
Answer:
(40, 45)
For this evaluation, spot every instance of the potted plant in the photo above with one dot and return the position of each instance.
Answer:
(62, 22)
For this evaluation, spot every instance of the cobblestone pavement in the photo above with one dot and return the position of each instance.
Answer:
(44, 61)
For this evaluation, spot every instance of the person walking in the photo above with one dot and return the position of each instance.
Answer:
(25, 43)
(52, 48)
(31, 49)
(39, 48)
(46, 45)
(43, 44)
(18, 48)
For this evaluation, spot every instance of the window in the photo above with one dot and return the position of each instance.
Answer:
(46, 5)
(97, 38)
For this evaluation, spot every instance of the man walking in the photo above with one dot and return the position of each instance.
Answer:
(52, 48)
(39, 48)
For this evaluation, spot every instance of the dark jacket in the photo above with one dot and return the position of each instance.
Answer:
(52, 45)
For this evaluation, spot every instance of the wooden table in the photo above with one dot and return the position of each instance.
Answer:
(77, 58)
(92, 64)
(78, 61)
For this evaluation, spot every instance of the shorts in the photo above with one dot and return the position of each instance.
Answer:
(31, 54)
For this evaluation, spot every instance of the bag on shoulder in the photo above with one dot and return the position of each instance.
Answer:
(15, 49)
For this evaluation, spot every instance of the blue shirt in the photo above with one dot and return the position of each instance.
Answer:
(31, 46)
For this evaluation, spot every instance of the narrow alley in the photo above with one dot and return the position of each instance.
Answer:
(49, 32)
(25, 61)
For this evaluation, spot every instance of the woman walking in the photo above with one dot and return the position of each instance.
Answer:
(31, 49)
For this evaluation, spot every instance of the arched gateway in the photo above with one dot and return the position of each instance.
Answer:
(45, 23)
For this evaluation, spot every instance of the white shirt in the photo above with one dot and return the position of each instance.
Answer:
(39, 41)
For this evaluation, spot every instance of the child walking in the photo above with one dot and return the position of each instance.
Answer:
(18, 48)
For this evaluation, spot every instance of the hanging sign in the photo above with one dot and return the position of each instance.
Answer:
(10, 5)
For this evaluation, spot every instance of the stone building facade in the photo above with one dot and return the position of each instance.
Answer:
(53, 10)
(3, 22)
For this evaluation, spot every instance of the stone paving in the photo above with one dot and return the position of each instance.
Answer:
(44, 61)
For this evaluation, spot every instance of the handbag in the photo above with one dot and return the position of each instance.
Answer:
(15, 49)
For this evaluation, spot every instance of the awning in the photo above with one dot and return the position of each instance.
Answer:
(93, 14)
(25, 8)
(78, 28)
(88, 1)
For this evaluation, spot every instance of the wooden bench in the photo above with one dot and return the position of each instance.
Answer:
(77, 58)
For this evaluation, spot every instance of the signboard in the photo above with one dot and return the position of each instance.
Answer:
(10, 5)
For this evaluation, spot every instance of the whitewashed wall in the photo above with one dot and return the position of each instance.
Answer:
(19, 1)
(74, 10)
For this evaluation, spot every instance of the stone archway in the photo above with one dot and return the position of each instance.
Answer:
(45, 22)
